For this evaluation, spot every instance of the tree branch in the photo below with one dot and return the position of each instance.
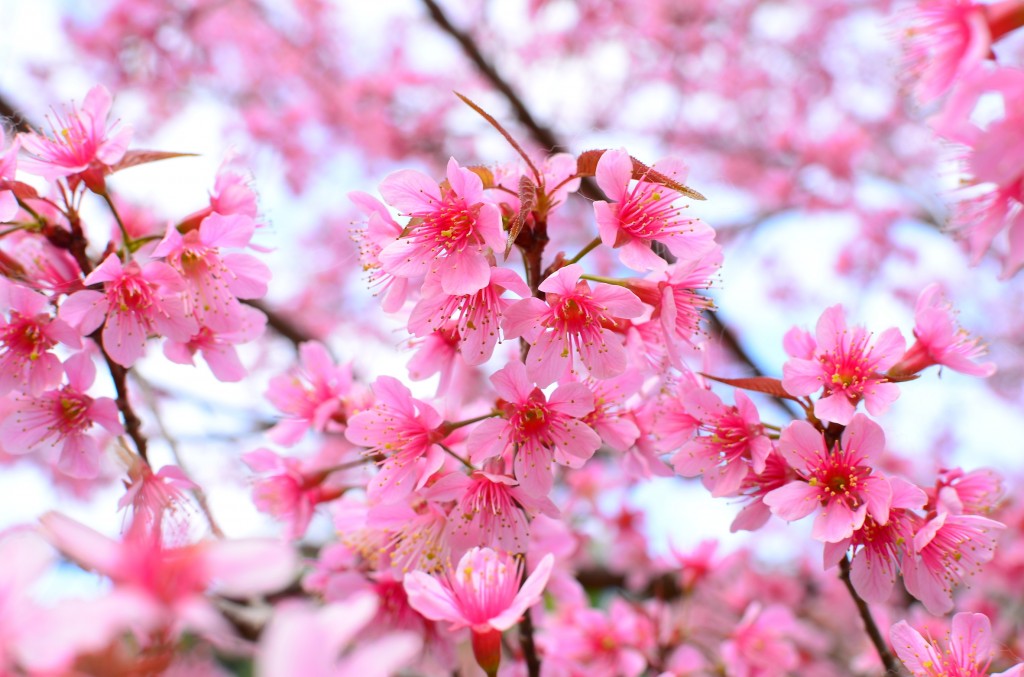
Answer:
(892, 666)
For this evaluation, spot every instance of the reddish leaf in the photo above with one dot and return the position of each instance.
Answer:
(527, 201)
(141, 157)
(586, 165)
(485, 174)
(760, 384)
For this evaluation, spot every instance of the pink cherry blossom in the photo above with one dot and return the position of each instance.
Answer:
(157, 498)
(477, 316)
(572, 324)
(735, 441)
(26, 337)
(380, 231)
(62, 419)
(218, 348)
(452, 227)
(481, 592)
(848, 367)
(170, 582)
(291, 488)
(944, 40)
(940, 341)
(966, 652)
(838, 483)
(611, 419)
(215, 281)
(80, 141)
(406, 432)
(948, 550)
(311, 395)
(762, 644)
(537, 428)
(777, 473)
(599, 643)
(646, 213)
(975, 492)
(136, 302)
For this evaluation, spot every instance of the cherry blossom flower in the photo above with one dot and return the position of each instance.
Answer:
(848, 367)
(975, 492)
(948, 549)
(646, 213)
(26, 337)
(599, 643)
(777, 473)
(157, 498)
(291, 488)
(406, 431)
(304, 640)
(136, 302)
(215, 280)
(478, 315)
(571, 324)
(611, 419)
(944, 40)
(311, 396)
(839, 482)
(380, 231)
(62, 419)
(81, 143)
(218, 348)
(170, 583)
(736, 441)
(762, 643)
(940, 341)
(537, 427)
(452, 225)
(481, 592)
(967, 651)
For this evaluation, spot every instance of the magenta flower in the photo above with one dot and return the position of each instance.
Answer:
(735, 442)
(572, 324)
(62, 419)
(406, 432)
(940, 341)
(483, 593)
(967, 651)
(477, 316)
(538, 428)
(948, 550)
(216, 281)
(847, 368)
(451, 228)
(837, 483)
(80, 141)
(311, 396)
(646, 213)
(136, 302)
(26, 337)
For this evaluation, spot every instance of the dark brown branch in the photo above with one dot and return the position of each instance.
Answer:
(528, 646)
(132, 423)
(281, 324)
(892, 666)
(12, 114)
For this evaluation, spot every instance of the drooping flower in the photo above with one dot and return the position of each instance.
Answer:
(136, 302)
(572, 323)
(848, 367)
(452, 226)
(157, 498)
(26, 337)
(81, 143)
(406, 432)
(63, 418)
(483, 593)
(646, 213)
(948, 550)
(967, 651)
(476, 316)
(538, 428)
(839, 483)
(940, 341)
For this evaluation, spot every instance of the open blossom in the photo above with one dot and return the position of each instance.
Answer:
(948, 550)
(215, 280)
(847, 366)
(967, 651)
(837, 483)
(218, 348)
(451, 230)
(406, 432)
(136, 302)
(477, 316)
(290, 489)
(572, 324)
(538, 428)
(380, 231)
(599, 643)
(63, 419)
(940, 341)
(481, 592)
(26, 336)
(735, 441)
(80, 141)
(646, 213)
(311, 395)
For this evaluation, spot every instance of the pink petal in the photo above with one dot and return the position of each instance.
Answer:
(793, 501)
(527, 596)
(431, 599)
(241, 568)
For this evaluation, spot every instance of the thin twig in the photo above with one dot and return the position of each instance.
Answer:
(892, 666)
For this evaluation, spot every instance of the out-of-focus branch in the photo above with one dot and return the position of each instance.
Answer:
(892, 666)
(281, 324)
(12, 114)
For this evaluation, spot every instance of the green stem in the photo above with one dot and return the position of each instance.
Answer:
(457, 457)
(449, 427)
(128, 242)
(591, 246)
